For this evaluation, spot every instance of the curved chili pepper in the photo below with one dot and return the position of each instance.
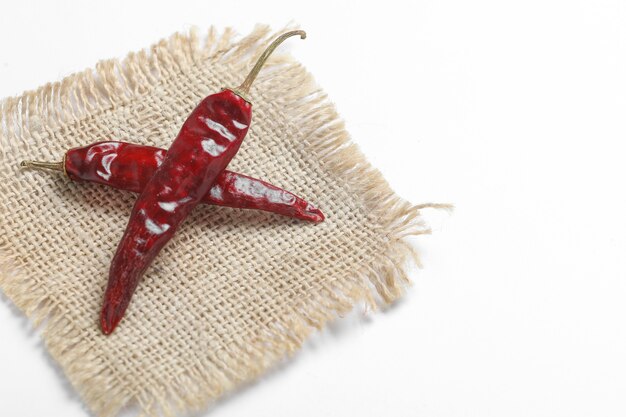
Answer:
(207, 141)
(129, 167)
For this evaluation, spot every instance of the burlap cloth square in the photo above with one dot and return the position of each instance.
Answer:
(236, 291)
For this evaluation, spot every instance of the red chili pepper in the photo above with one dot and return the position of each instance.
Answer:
(129, 167)
(207, 141)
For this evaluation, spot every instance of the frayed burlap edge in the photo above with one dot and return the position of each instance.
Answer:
(115, 82)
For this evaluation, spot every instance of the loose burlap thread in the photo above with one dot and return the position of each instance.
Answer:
(235, 291)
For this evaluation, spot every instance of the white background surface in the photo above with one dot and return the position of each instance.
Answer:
(514, 111)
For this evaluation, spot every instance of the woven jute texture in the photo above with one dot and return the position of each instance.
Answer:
(235, 291)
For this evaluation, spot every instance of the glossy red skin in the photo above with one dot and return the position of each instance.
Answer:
(192, 164)
(129, 167)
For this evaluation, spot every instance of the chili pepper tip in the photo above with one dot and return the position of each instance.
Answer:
(315, 215)
(110, 317)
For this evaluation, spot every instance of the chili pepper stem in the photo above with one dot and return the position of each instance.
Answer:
(54, 166)
(243, 90)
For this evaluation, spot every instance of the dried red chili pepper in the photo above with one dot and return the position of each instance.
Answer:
(207, 141)
(129, 167)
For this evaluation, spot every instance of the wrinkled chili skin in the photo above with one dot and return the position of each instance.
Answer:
(129, 167)
(208, 140)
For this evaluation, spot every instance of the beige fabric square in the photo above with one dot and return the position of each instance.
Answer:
(235, 291)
